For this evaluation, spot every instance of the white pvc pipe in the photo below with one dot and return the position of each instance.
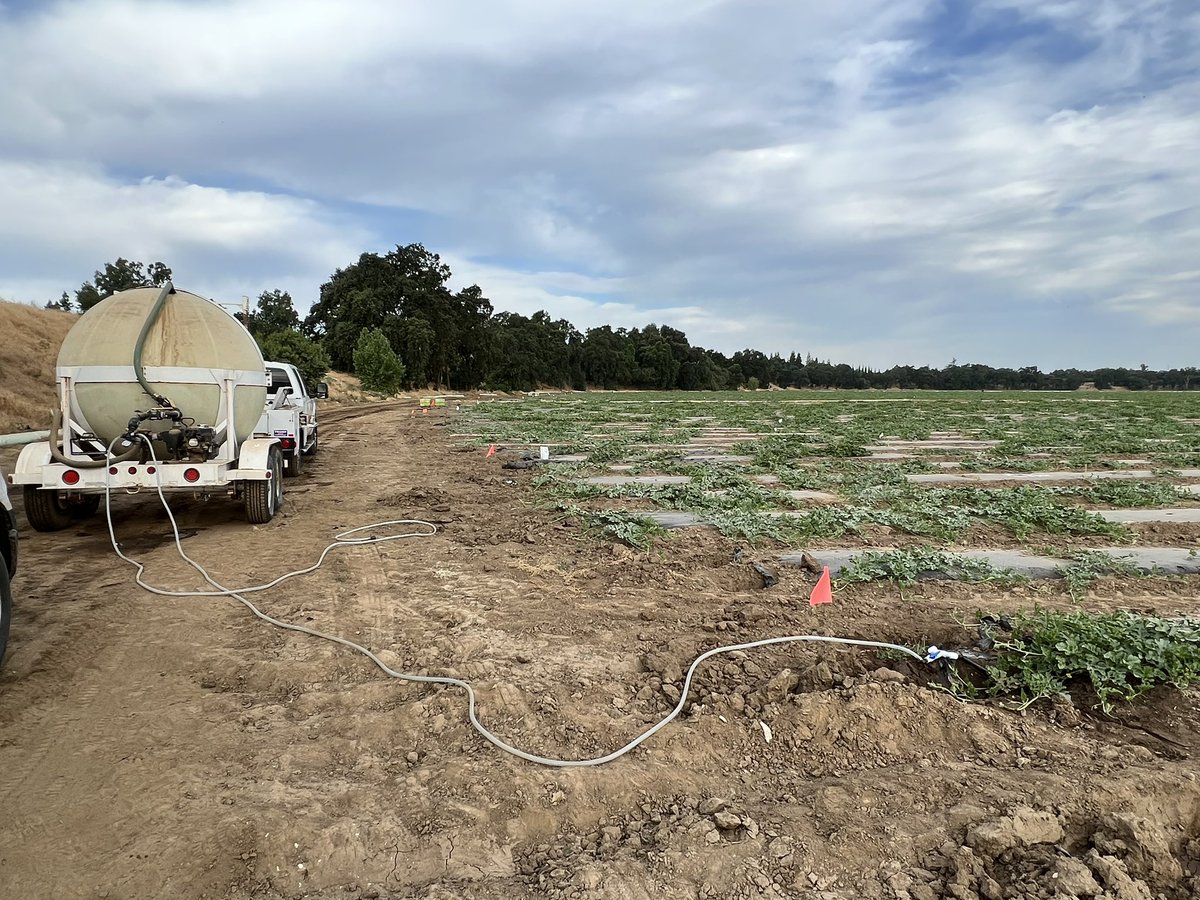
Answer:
(21, 438)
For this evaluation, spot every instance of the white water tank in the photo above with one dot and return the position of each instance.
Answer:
(192, 343)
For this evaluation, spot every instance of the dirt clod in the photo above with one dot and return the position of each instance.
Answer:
(1021, 829)
(1073, 878)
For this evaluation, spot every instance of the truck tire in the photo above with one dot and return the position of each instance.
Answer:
(295, 463)
(312, 448)
(263, 498)
(45, 510)
(5, 607)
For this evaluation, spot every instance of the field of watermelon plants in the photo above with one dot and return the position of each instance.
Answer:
(1049, 471)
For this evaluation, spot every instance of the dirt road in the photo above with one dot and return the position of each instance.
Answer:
(154, 747)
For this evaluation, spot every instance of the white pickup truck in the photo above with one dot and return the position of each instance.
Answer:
(290, 415)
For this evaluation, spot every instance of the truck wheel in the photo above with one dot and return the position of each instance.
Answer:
(5, 608)
(295, 464)
(84, 507)
(312, 448)
(45, 510)
(263, 498)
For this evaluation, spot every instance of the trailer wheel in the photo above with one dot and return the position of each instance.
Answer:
(263, 498)
(45, 510)
(5, 607)
(84, 507)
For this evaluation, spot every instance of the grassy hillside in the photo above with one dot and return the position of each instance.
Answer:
(29, 342)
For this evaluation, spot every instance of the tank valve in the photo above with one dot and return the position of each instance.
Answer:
(157, 414)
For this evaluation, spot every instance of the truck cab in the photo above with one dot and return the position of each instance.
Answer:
(8, 563)
(290, 414)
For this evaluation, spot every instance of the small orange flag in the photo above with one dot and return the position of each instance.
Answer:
(491, 451)
(823, 592)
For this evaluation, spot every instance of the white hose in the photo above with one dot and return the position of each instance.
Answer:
(343, 541)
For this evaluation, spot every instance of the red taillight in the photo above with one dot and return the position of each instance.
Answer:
(150, 470)
(133, 470)
(70, 477)
(287, 443)
(191, 475)
(112, 470)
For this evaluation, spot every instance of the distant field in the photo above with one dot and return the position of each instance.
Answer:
(904, 471)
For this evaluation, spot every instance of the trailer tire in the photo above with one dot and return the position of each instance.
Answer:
(263, 498)
(84, 507)
(45, 510)
(5, 607)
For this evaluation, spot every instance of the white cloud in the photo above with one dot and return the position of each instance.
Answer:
(586, 301)
(61, 222)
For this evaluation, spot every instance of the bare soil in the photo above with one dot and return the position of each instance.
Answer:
(154, 747)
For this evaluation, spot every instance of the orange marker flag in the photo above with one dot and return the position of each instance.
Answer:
(823, 592)
(491, 451)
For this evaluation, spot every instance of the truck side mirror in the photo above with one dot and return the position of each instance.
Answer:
(322, 391)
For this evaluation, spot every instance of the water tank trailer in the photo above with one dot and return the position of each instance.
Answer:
(160, 368)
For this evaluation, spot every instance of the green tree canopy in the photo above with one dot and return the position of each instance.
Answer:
(535, 351)
(376, 363)
(443, 335)
(274, 312)
(122, 275)
(608, 357)
(64, 303)
(304, 353)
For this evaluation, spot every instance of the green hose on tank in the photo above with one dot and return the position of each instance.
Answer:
(56, 441)
(167, 290)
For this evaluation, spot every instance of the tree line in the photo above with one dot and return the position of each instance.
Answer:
(393, 320)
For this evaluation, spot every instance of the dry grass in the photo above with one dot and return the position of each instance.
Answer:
(29, 342)
(346, 388)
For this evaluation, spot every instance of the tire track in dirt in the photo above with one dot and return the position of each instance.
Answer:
(52, 637)
(48, 727)
(348, 414)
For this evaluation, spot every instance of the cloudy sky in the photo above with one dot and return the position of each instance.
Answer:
(1014, 182)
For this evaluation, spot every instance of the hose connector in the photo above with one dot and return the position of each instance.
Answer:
(935, 654)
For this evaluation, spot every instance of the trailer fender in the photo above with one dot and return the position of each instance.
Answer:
(33, 458)
(252, 459)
